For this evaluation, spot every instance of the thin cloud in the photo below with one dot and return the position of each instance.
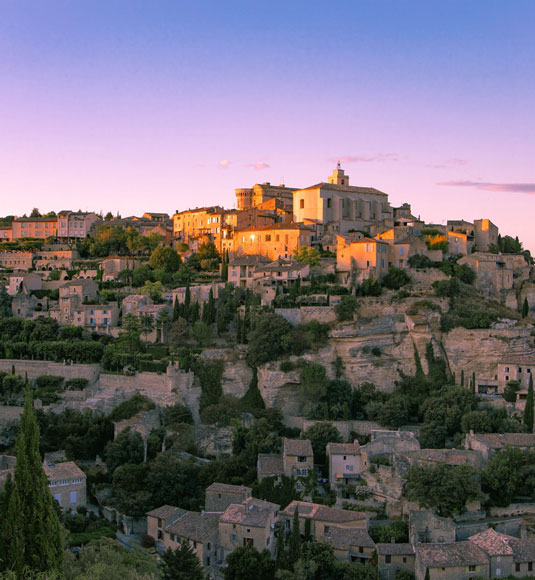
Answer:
(377, 157)
(489, 186)
(224, 163)
(454, 162)
(258, 165)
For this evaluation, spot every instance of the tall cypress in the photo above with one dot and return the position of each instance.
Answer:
(176, 310)
(280, 551)
(295, 538)
(525, 308)
(528, 411)
(31, 532)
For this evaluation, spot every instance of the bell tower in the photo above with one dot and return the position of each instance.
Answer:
(338, 177)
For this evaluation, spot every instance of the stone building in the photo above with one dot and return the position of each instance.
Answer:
(199, 225)
(393, 558)
(455, 561)
(339, 207)
(28, 281)
(76, 224)
(516, 367)
(360, 257)
(260, 193)
(351, 545)
(344, 463)
(493, 271)
(274, 241)
(241, 269)
(16, 260)
(41, 227)
(67, 483)
(490, 443)
(485, 234)
(219, 496)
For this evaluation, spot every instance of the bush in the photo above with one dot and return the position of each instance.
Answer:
(76, 384)
(133, 406)
(147, 541)
(286, 366)
(509, 393)
(176, 414)
(418, 261)
(47, 381)
(396, 278)
(346, 308)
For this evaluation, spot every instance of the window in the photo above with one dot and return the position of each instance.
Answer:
(248, 542)
(361, 550)
(404, 560)
(519, 369)
(328, 202)
(472, 568)
(349, 467)
(388, 559)
(506, 369)
(72, 497)
(303, 459)
(530, 566)
(172, 537)
(301, 204)
(159, 534)
(517, 567)
(209, 546)
(268, 237)
(159, 522)
(208, 561)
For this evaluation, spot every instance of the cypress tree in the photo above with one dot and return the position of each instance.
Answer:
(462, 378)
(308, 530)
(176, 310)
(295, 538)
(528, 411)
(31, 533)
(525, 308)
(280, 551)
(194, 312)
(473, 383)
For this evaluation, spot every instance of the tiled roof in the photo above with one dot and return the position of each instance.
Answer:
(248, 260)
(324, 513)
(344, 539)
(228, 488)
(196, 526)
(345, 188)
(66, 470)
(269, 464)
(492, 542)
(452, 554)
(501, 440)
(343, 448)
(281, 265)
(394, 549)
(165, 511)
(301, 447)
(253, 512)
(278, 226)
(523, 550)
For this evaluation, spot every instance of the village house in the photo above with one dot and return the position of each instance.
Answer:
(219, 496)
(459, 243)
(322, 518)
(360, 258)
(281, 272)
(344, 463)
(432, 457)
(251, 523)
(269, 465)
(28, 281)
(85, 290)
(339, 207)
(42, 227)
(241, 269)
(455, 561)
(6, 234)
(351, 545)
(162, 218)
(67, 483)
(99, 318)
(199, 225)
(74, 225)
(513, 367)
(55, 257)
(199, 293)
(296, 460)
(171, 526)
(393, 558)
(485, 234)
(274, 241)
(24, 303)
(132, 303)
(262, 193)
(490, 443)
(387, 444)
(492, 271)
(16, 260)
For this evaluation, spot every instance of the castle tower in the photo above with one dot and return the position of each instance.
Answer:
(338, 177)
(244, 199)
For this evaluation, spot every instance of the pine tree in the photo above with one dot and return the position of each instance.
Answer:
(31, 531)
(525, 308)
(528, 411)
(295, 538)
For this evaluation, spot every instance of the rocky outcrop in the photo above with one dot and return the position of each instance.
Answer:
(237, 375)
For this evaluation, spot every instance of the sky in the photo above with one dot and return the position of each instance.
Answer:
(130, 106)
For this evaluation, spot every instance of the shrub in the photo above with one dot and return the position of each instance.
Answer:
(286, 366)
(396, 278)
(134, 405)
(418, 261)
(46, 381)
(76, 384)
(345, 309)
(509, 393)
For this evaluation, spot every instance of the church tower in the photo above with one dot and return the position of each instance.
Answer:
(338, 177)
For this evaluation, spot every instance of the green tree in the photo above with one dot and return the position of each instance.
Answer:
(525, 308)
(269, 339)
(182, 564)
(394, 413)
(528, 411)
(202, 333)
(346, 308)
(127, 448)
(247, 562)
(319, 435)
(307, 255)
(31, 532)
(166, 258)
(294, 542)
(396, 278)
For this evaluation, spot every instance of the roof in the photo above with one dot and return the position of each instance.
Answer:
(248, 260)
(228, 488)
(345, 188)
(39, 219)
(450, 456)
(269, 464)
(196, 526)
(252, 512)
(344, 539)
(520, 359)
(501, 440)
(282, 265)
(324, 513)
(280, 226)
(66, 470)
(297, 447)
(452, 554)
(343, 449)
(165, 511)
(523, 550)
(363, 240)
(394, 549)
(492, 542)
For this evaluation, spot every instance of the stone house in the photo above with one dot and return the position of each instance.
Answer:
(200, 293)
(23, 304)
(323, 518)
(386, 444)
(263, 193)
(516, 368)
(493, 272)
(269, 465)
(171, 527)
(241, 269)
(274, 241)
(452, 561)
(490, 443)
(55, 257)
(459, 243)
(281, 272)
(360, 257)
(219, 496)
(252, 523)
(344, 463)
(6, 234)
(427, 527)
(76, 224)
(297, 457)
(195, 226)
(393, 558)
(431, 457)
(16, 260)
(42, 227)
(485, 234)
(132, 303)
(67, 483)
(351, 545)
(85, 290)
(28, 281)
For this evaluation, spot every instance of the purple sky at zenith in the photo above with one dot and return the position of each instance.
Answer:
(132, 106)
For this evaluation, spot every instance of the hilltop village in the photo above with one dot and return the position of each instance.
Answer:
(314, 385)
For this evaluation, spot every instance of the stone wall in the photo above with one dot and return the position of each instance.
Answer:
(36, 368)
